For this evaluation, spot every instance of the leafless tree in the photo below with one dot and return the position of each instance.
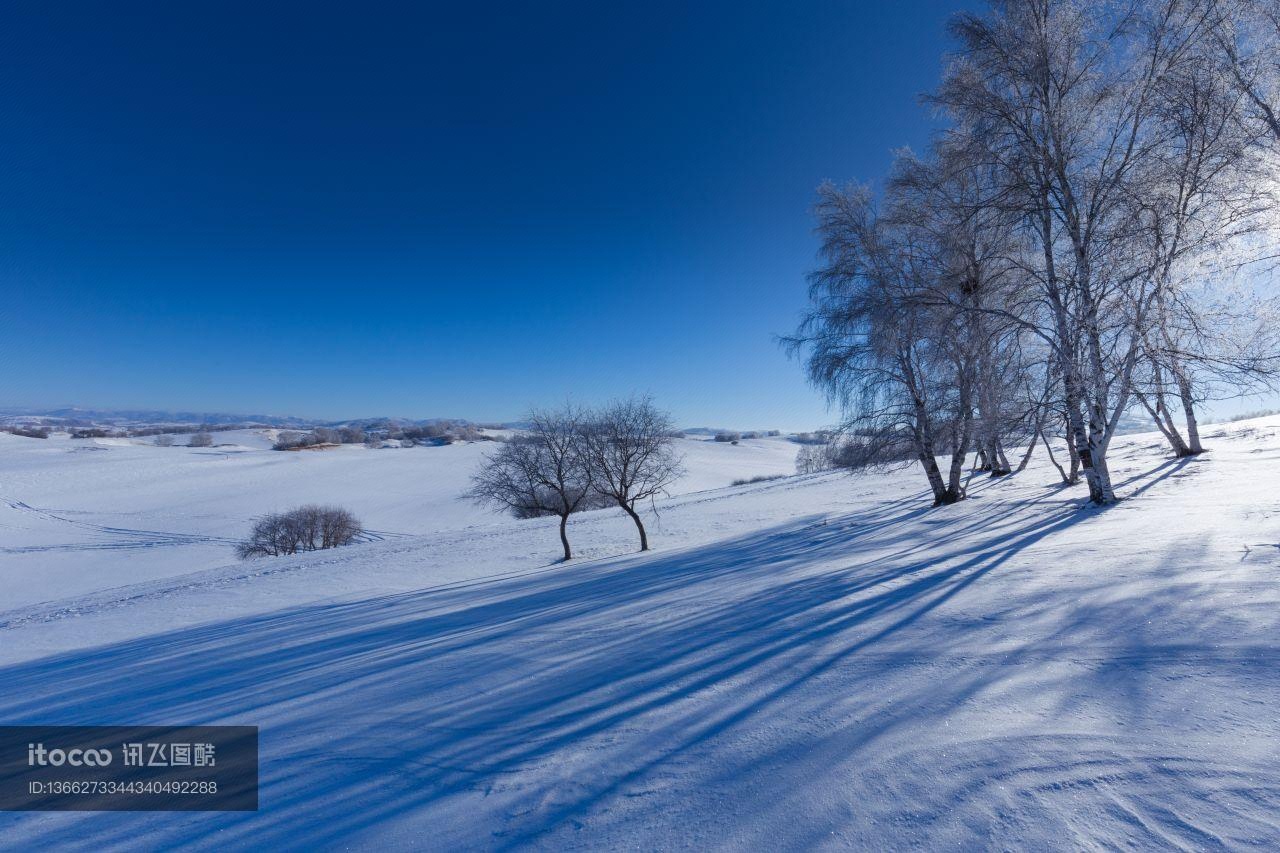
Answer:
(200, 439)
(813, 458)
(630, 452)
(1202, 189)
(163, 440)
(1248, 34)
(1065, 97)
(879, 341)
(966, 243)
(543, 471)
(1061, 254)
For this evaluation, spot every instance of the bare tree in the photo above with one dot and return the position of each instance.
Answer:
(880, 342)
(1248, 34)
(1202, 189)
(1065, 97)
(631, 456)
(200, 439)
(543, 471)
(163, 440)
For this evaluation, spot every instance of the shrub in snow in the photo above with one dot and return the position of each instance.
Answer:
(287, 440)
(761, 478)
(307, 528)
(163, 441)
(92, 432)
(30, 432)
(201, 439)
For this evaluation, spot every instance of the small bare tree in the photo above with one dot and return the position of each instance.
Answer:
(630, 453)
(201, 439)
(542, 472)
(163, 441)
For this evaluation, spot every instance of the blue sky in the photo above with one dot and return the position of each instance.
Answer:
(431, 210)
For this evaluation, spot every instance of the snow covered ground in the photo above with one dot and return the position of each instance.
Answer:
(83, 515)
(812, 662)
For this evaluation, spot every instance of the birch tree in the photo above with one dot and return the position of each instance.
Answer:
(1247, 32)
(1064, 96)
(879, 342)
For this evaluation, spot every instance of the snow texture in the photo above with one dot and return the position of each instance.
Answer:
(812, 662)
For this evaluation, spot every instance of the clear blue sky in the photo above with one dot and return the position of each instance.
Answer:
(434, 209)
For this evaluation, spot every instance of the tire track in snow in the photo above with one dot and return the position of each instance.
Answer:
(134, 538)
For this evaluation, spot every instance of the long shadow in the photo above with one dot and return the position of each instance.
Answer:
(393, 705)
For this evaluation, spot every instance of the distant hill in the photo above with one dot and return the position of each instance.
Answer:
(75, 416)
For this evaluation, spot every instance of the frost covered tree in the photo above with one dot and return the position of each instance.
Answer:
(1066, 97)
(1062, 253)
(1202, 190)
(1247, 33)
(913, 327)
(631, 454)
(967, 243)
(543, 471)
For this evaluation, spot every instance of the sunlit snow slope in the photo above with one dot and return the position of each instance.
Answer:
(84, 515)
(818, 661)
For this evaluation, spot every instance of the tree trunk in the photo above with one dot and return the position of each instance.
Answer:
(934, 475)
(1189, 407)
(999, 462)
(1160, 414)
(564, 537)
(1101, 491)
(1031, 448)
(1085, 441)
(922, 432)
(1061, 472)
(1082, 450)
(954, 490)
(1074, 476)
(644, 539)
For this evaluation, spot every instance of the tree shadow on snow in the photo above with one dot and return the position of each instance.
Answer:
(402, 706)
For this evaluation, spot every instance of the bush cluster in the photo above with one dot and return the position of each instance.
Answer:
(30, 432)
(307, 528)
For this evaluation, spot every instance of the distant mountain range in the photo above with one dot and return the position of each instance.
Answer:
(76, 416)
(82, 417)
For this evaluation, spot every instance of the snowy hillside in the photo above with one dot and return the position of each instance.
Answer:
(818, 661)
(83, 515)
